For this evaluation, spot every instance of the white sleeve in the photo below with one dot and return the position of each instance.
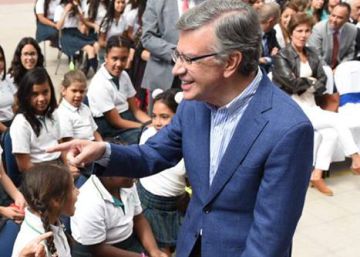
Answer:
(100, 97)
(129, 88)
(39, 7)
(20, 133)
(88, 224)
(58, 13)
(65, 124)
(136, 202)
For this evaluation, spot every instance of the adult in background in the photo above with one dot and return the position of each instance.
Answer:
(334, 41)
(159, 38)
(247, 146)
(269, 14)
(299, 72)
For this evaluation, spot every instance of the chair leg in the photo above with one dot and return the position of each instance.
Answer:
(58, 61)
(44, 46)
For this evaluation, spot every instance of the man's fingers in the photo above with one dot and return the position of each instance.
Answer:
(60, 147)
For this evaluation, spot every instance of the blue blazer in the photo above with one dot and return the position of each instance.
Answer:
(257, 195)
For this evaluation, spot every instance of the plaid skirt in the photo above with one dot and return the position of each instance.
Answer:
(163, 216)
(72, 40)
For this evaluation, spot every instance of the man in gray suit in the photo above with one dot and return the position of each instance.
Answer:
(336, 28)
(160, 37)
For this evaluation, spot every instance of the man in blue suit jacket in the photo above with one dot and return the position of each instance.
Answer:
(247, 146)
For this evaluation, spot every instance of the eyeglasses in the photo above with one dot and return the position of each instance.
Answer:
(175, 55)
(29, 54)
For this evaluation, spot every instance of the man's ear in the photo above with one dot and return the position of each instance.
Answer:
(233, 64)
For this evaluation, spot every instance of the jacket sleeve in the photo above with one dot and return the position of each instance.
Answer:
(162, 151)
(152, 36)
(320, 84)
(285, 77)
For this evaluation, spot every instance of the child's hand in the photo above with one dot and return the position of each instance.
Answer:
(13, 212)
(74, 171)
(158, 253)
(20, 201)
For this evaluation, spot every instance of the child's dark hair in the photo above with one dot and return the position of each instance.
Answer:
(2, 54)
(33, 77)
(93, 8)
(117, 41)
(168, 98)
(41, 185)
(16, 69)
(109, 17)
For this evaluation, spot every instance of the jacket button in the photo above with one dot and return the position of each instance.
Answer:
(207, 209)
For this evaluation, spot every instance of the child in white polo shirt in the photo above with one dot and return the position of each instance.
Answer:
(36, 127)
(108, 220)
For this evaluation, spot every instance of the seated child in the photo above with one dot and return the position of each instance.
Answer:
(108, 220)
(50, 192)
(160, 194)
(36, 127)
(75, 117)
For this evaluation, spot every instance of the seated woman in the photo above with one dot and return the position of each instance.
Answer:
(7, 92)
(298, 71)
(45, 26)
(27, 56)
(112, 96)
(282, 36)
(68, 16)
(115, 226)
(36, 126)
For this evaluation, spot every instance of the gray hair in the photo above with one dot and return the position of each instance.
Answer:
(236, 26)
(268, 11)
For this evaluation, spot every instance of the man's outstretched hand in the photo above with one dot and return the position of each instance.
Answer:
(80, 152)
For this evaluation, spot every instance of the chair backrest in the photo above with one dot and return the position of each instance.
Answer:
(347, 80)
(10, 164)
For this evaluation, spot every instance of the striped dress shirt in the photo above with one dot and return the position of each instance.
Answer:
(224, 121)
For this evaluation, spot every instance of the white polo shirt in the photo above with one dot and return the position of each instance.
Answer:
(39, 8)
(7, 92)
(71, 21)
(168, 183)
(104, 95)
(96, 217)
(101, 13)
(32, 227)
(76, 122)
(25, 141)
(117, 28)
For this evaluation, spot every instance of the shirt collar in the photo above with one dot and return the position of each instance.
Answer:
(104, 192)
(72, 108)
(243, 97)
(105, 72)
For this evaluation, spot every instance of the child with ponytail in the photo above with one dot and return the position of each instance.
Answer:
(50, 192)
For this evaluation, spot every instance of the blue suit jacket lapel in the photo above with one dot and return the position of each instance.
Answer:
(203, 162)
(250, 126)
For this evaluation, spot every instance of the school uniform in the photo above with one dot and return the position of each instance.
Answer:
(45, 32)
(72, 40)
(101, 13)
(159, 195)
(117, 28)
(76, 122)
(32, 227)
(7, 92)
(106, 93)
(25, 141)
(99, 217)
